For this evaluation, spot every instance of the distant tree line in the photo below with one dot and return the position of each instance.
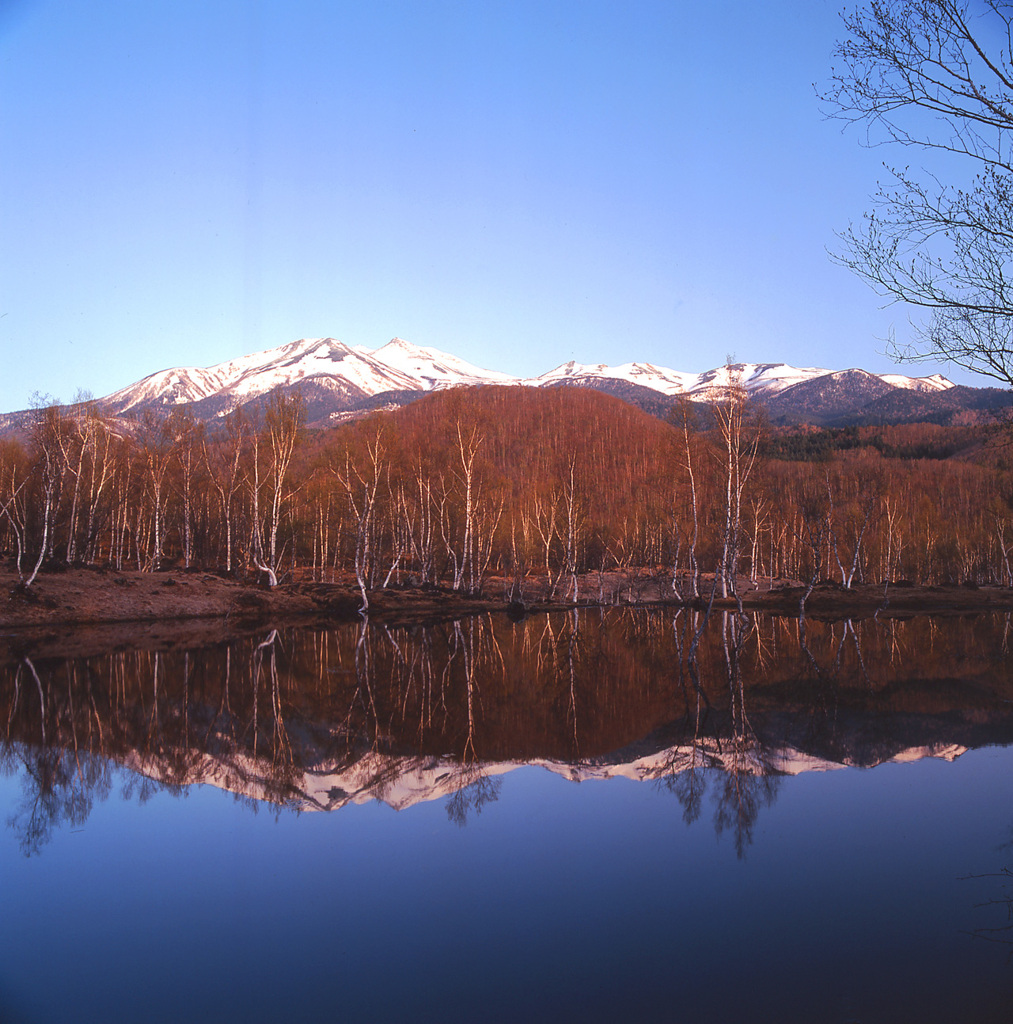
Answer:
(511, 482)
(907, 441)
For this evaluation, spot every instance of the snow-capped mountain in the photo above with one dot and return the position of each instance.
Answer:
(339, 381)
(757, 378)
(352, 374)
(249, 377)
(325, 363)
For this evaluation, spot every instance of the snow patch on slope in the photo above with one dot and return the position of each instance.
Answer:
(935, 382)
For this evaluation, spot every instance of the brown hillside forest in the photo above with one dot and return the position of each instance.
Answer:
(513, 483)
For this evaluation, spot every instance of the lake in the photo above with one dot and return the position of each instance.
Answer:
(606, 815)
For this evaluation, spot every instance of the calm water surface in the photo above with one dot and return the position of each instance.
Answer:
(568, 818)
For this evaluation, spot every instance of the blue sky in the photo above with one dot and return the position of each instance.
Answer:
(519, 182)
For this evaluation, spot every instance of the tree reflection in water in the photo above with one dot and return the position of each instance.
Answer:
(997, 905)
(746, 780)
(721, 706)
(685, 775)
(749, 781)
(57, 789)
(472, 796)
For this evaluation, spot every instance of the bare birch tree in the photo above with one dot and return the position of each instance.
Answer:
(360, 484)
(739, 444)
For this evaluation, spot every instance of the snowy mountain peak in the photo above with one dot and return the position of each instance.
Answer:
(853, 371)
(398, 345)
(431, 368)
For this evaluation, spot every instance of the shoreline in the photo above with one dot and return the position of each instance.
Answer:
(80, 613)
(79, 597)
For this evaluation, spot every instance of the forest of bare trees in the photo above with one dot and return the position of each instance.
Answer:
(509, 482)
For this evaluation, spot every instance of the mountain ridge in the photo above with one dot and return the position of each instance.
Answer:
(340, 381)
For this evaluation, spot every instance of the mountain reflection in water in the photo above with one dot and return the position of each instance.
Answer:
(314, 720)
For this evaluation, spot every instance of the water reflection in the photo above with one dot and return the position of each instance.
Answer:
(717, 711)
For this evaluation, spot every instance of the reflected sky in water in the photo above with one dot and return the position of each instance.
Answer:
(594, 900)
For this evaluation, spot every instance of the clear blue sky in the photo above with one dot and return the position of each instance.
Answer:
(519, 182)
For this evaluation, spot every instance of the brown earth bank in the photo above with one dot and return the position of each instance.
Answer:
(219, 605)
